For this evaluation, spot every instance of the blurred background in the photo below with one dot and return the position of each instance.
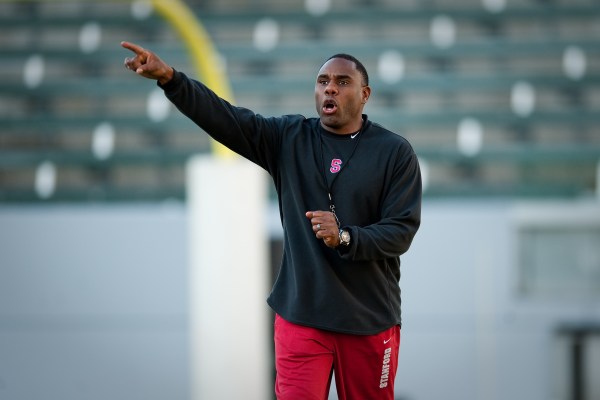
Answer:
(500, 99)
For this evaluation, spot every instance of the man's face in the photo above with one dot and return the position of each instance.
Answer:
(340, 96)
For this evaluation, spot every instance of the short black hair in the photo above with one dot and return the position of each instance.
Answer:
(359, 66)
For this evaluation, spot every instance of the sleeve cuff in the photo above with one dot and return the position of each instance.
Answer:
(173, 83)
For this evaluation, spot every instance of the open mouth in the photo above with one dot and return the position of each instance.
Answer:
(329, 107)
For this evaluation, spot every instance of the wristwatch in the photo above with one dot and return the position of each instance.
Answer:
(344, 237)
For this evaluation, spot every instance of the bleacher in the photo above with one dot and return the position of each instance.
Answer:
(498, 99)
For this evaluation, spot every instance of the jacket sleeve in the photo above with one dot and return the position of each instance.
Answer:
(400, 219)
(239, 129)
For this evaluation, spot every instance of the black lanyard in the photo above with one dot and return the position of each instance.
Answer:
(329, 185)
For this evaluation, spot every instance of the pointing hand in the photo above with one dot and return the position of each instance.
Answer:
(147, 64)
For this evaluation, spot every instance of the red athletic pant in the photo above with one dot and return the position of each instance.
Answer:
(364, 366)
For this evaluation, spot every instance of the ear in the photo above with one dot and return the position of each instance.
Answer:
(366, 93)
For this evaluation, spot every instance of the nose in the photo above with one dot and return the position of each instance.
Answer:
(331, 88)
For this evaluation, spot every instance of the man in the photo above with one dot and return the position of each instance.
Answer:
(349, 195)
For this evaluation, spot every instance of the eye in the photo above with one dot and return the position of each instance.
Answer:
(322, 82)
(343, 82)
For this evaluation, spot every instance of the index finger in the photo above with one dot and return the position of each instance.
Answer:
(316, 213)
(133, 47)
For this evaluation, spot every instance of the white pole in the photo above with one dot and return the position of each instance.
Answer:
(228, 241)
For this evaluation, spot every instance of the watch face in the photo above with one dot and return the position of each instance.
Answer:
(345, 237)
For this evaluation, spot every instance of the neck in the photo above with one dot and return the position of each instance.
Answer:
(350, 129)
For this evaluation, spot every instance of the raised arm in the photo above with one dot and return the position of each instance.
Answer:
(147, 64)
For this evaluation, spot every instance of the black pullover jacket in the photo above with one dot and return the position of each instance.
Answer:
(377, 197)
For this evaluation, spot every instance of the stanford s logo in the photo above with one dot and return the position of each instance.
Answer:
(335, 166)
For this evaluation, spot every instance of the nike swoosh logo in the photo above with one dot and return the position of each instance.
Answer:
(387, 341)
(355, 135)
